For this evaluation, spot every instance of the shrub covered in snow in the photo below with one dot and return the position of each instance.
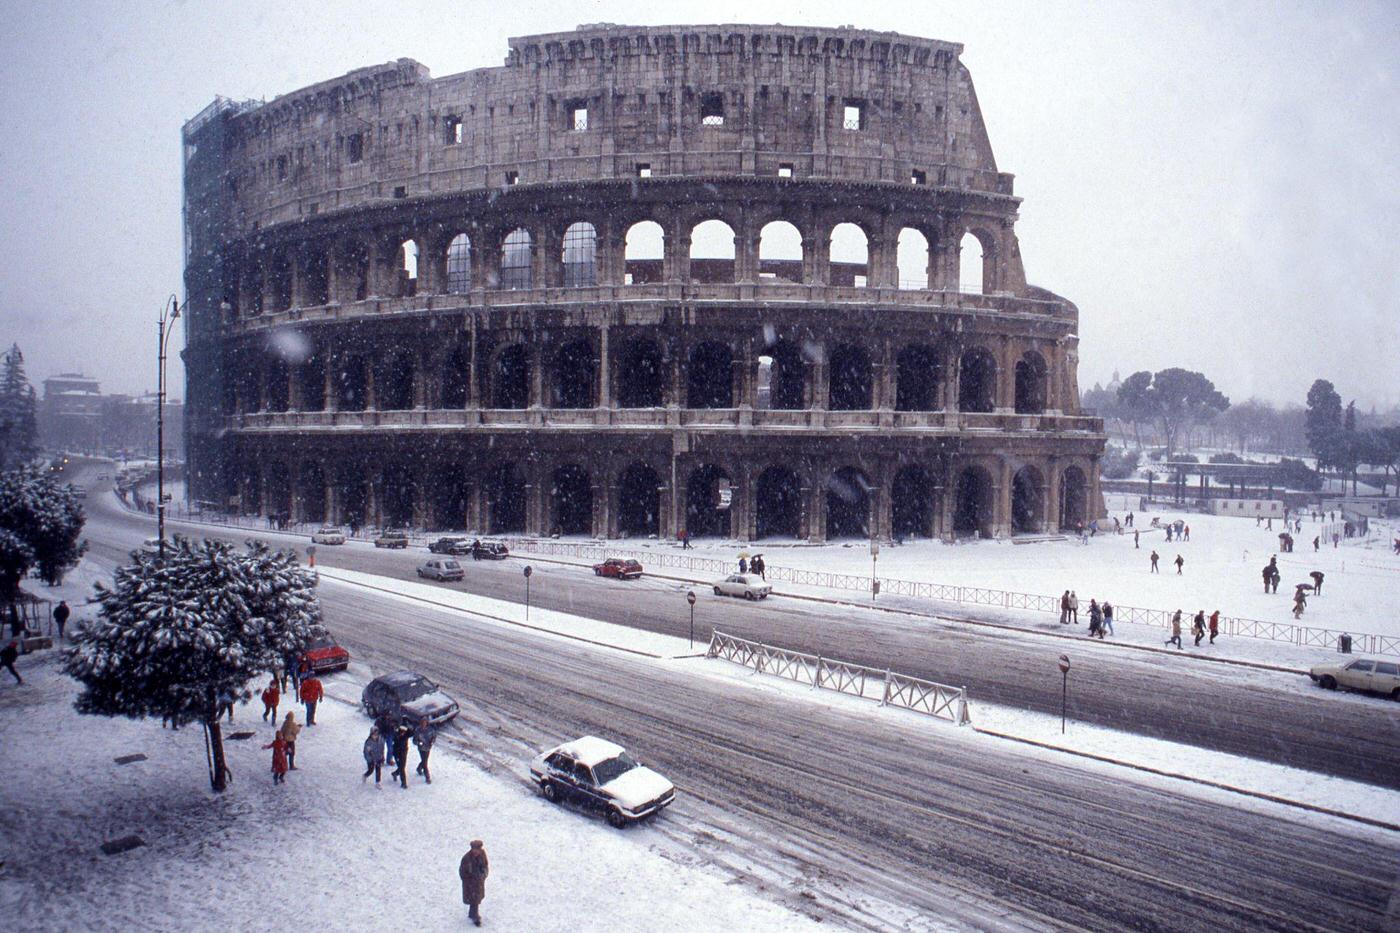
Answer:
(47, 517)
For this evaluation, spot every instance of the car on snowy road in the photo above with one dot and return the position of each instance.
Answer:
(407, 696)
(600, 775)
(391, 538)
(619, 568)
(451, 545)
(489, 550)
(747, 585)
(328, 535)
(324, 654)
(1371, 676)
(441, 568)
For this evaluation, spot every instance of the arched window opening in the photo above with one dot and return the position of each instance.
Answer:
(972, 508)
(449, 499)
(916, 379)
(850, 378)
(850, 256)
(516, 254)
(249, 491)
(977, 382)
(641, 380)
(1074, 499)
(575, 375)
(571, 499)
(397, 495)
(1027, 504)
(639, 502)
(780, 253)
(706, 513)
(277, 485)
(254, 289)
(644, 253)
(778, 508)
(848, 504)
(352, 491)
(352, 384)
(787, 377)
(312, 374)
(912, 257)
(357, 270)
(580, 256)
(459, 265)
(278, 380)
(510, 378)
(505, 500)
(712, 252)
(393, 381)
(1030, 384)
(911, 503)
(311, 490)
(280, 281)
(407, 266)
(971, 265)
(456, 377)
(316, 281)
(710, 382)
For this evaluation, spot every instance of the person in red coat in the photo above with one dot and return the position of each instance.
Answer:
(279, 758)
(271, 697)
(311, 694)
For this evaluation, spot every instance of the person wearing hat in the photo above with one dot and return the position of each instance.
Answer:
(473, 871)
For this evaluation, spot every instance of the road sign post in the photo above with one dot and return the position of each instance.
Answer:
(690, 598)
(1064, 691)
(874, 578)
(527, 572)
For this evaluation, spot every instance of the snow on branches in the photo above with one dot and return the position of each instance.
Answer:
(47, 517)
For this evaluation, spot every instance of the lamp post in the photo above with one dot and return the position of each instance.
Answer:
(527, 573)
(1064, 691)
(168, 315)
(690, 598)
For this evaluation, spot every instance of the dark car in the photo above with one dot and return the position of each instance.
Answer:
(453, 546)
(489, 550)
(325, 655)
(392, 539)
(617, 567)
(407, 696)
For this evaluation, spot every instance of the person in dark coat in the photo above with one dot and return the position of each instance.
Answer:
(8, 655)
(1317, 576)
(386, 725)
(60, 616)
(1198, 626)
(423, 737)
(1180, 562)
(401, 736)
(374, 755)
(758, 567)
(1064, 608)
(743, 565)
(1154, 560)
(473, 871)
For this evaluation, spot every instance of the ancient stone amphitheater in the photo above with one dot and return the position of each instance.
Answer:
(719, 280)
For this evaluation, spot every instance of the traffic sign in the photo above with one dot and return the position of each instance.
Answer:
(690, 597)
(1064, 664)
(528, 570)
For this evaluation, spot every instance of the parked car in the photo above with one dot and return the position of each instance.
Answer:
(454, 546)
(441, 568)
(152, 545)
(391, 539)
(747, 585)
(1361, 674)
(325, 655)
(489, 550)
(601, 775)
(617, 567)
(328, 535)
(407, 696)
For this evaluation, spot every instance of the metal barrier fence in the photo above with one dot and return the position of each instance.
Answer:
(922, 696)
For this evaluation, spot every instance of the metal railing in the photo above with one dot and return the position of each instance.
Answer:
(912, 693)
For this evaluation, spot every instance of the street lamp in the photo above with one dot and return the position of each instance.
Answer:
(168, 315)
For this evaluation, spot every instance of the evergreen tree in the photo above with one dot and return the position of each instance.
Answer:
(1324, 423)
(47, 518)
(19, 426)
(172, 635)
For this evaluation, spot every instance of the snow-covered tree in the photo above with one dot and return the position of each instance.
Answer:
(174, 635)
(48, 518)
(19, 430)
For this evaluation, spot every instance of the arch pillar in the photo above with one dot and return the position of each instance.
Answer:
(1006, 378)
(1001, 519)
(1053, 480)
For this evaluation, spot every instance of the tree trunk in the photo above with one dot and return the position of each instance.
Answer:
(219, 778)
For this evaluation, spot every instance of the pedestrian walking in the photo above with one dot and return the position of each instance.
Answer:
(374, 755)
(271, 696)
(1176, 630)
(1300, 602)
(401, 736)
(1186, 532)
(685, 539)
(1180, 562)
(1317, 544)
(1108, 617)
(423, 737)
(758, 566)
(473, 871)
(1064, 608)
(1136, 536)
(289, 732)
(1095, 619)
(1074, 607)
(1154, 558)
(225, 701)
(279, 758)
(1214, 625)
(1198, 626)
(8, 655)
(311, 694)
(1317, 576)
(386, 726)
(60, 616)
(290, 666)
(743, 565)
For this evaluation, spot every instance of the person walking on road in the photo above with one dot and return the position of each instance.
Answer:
(473, 871)
(1154, 558)
(8, 655)
(374, 755)
(423, 737)
(1214, 625)
(311, 694)
(1317, 576)
(1136, 535)
(401, 735)
(1198, 626)
(685, 539)
(1074, 607)
(271, 696)
(290, 730)
(279, 758)
(1095, 619)
(60, 616)
(1108, 617)
(1180, 562)
(1064, 608)
(1176, 630)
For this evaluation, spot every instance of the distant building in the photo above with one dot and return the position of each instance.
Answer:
(75, 415)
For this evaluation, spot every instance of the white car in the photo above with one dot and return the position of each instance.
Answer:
(328, 535)
(441, 568)
(1381, 677)
(601, 775)
(152, 545)
(747, 585)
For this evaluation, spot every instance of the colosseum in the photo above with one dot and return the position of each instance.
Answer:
(711, 280)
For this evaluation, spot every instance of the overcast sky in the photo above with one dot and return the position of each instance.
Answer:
(1214, 184)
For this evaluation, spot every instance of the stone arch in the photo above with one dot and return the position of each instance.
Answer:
(505, 497)
(456, 377)
(848, 496)
(277, 489)
(574, 376)
(710, 376)
(712, 252)
(977, 262)
(311, 375)
(355, 266)
(406, 269)
(1031, 379)
(352, 494)
(352, 383)
(703, 515)
(315, 275)
(780, 256)
(393, 381)
(449, 498)
(571, 501)
(517, 258)
(580, 255)
(644, 253)
(911, 258)
(911, 503)
(253, 286)
(778, 503)
(279, 279)
(977, 381)
(398, 490)
(918, 374)
(1074, 498)
(639, 501)
(974, 503)
(1027, 501)
(459, 265)
(510, 377)
(311, 491)
(850, 383)
(787, 376)
(641, 379)
(277, 376)
(850, 255)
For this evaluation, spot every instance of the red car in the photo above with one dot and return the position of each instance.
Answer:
(617, 567)
(325, 655)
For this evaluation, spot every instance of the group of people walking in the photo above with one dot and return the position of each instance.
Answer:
(388, 742)
(1100, 615)
(1200, 625)
(753, 565)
